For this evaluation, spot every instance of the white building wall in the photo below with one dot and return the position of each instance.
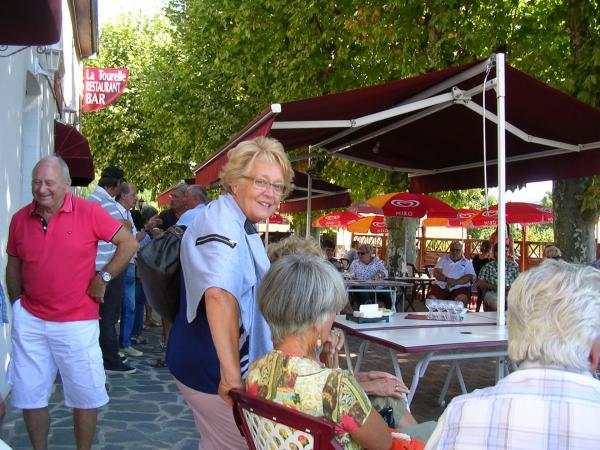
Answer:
(27, 113)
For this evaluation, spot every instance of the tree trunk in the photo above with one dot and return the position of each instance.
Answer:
(401, 243)
(574, 226)
(573, 229)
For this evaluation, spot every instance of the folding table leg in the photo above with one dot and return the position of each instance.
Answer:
(348, 356)
(395, 363)
(364, 346)
(455, 367)
(420, 369)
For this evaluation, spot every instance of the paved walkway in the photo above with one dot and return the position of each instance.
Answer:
(146, 411)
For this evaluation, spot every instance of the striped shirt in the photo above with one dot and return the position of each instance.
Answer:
(106, 250)
(533, 408)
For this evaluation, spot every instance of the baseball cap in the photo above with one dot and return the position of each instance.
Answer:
(113, 172)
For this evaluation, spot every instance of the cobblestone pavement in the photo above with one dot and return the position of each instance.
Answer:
(146, 411)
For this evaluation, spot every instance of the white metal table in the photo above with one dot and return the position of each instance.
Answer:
(389, 286)
(441, 341)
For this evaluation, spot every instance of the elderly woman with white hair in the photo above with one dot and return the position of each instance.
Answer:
(219, 330)
(299, 298)
(553, 400)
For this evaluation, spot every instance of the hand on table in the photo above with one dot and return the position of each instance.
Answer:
(381, 384)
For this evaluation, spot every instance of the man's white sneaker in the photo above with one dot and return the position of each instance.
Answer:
(131, 351)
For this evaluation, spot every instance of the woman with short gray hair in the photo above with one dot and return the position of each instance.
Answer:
(299, 298)
(311, 295)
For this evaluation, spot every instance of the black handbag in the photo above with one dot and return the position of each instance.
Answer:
(159, 270)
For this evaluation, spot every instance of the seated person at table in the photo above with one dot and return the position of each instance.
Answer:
(368, 267)
(553, 400)
(479, 261)
(329, 250)
(299, 298)
(453, 274)
(384, 389)
(483, 258)
(488, 279)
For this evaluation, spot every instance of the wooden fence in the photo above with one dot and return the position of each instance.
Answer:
(430, 249)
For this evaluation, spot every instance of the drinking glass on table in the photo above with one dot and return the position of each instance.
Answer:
(455, 308)
(437, 310)
(430, 304)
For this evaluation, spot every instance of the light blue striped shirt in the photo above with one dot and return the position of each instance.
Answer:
(106, 250)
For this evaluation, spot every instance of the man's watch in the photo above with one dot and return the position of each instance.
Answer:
(105, 276)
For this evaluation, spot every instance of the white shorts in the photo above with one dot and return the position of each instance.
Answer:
(41, 348)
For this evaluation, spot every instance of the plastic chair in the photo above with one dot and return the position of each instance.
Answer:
(422, 286)
(267, 425)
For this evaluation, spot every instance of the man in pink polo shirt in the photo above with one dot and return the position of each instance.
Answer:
(55, 291)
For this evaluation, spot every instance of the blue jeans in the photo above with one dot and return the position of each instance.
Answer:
(127, 307)
(140, 302)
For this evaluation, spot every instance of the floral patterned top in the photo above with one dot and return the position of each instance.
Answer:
(302, 384)
(364, 272)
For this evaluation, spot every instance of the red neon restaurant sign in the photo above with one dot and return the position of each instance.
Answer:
(101, 87)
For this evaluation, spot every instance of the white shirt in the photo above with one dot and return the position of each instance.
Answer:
(454, 269)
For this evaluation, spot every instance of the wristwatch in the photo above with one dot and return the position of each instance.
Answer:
(105, 276)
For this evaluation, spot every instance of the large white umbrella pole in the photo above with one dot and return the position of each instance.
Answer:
(501, 256)
(267, 233)
(308, 202)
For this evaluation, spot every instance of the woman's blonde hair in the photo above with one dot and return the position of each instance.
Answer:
(243, 156)
(294, 245)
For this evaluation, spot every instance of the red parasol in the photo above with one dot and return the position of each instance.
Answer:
(415, 206)
(276, 219)
(336, 219)
(516, 212)
(373, 224)
(461, 219)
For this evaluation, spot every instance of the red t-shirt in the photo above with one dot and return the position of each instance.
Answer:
(58, 265)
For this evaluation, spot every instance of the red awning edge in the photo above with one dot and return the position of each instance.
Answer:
(73, 147)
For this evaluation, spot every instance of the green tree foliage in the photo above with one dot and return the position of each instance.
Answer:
(131, 131)
(218, 63)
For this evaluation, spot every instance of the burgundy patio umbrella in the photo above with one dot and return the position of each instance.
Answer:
(372, 224)
(336, 219)
(364, 208)
(516, 212)
(415, 206)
